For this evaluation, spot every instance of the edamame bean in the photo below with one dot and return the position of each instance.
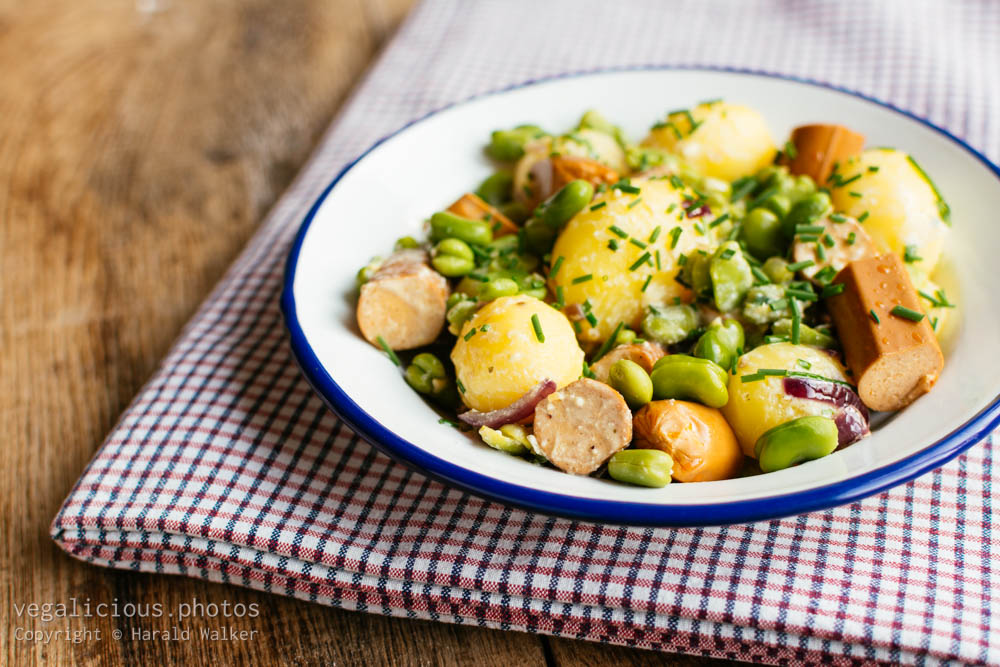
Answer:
(496, 189)
(731, 276)
(762, 233)
(722, 343)
(791, 443)
(558, 209)
(642, 467)
(807, 335)
(776, 268)
(806, 212)
(631, 381)
(669, 324)
(426, 374)
(453, 258)
(690, 379)
(448, 225)
(496, 288)
(508, 145)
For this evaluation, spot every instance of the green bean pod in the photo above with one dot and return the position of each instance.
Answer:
(448, 225)
(508, 145)
(796, 441)
(496, 189)
(670, 324)
(722, 343)
(806, 212)
(761, 231)
(631, 381)
(731, 276)
(690, 379)
(453, 258)
(641, 467)
(560, 208)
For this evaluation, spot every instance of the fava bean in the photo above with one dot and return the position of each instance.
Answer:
(641, 467)
(670, 324)
(459, 314)
(496, 288)
(448, 225)
(508, 145)
(761, 231)
(625, 336)
(806, 212)
(684, 377)
(496, 189)
(696, 274)
(406, 243)
(731, 276)
(796, 441)
(558, 209)
(807, 335)
(721, 343)
(453, 258)
(776, 268)
(778, 204)
(802, 187)
(631, 381)
(426, 374)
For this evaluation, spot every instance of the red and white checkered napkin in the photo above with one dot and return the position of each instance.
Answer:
(227, 467)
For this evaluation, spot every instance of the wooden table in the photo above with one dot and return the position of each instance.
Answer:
(140, 144)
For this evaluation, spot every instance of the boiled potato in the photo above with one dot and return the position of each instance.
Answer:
(614, 291)
(504, 359)
(727, 142)
(755, 407)
(902, 206)
(937, 314)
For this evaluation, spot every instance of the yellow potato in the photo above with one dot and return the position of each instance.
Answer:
(938, 315)
(902, 206)
(499, 365)
(755, 407)
(615, 292)
(729, 140)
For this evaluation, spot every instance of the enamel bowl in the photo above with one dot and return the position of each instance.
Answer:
(402, 179)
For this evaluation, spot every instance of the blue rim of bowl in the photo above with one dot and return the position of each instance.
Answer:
(612, 511)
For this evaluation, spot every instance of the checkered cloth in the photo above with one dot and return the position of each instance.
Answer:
(227, 467)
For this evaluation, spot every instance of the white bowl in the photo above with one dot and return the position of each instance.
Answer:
(399, 181)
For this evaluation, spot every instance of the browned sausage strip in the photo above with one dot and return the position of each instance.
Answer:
(819, 147)
(473, 207)
(404, 302)
(645, 354)
(894, 360)
(580, 426)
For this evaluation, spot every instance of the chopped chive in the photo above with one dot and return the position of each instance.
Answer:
(675, 235)
(809, 229)
(560, 296)
(851, 238)
(590, 317)
(388, 351)
(637, 243)
(801, 294)
(600, 204)
(910, 254)
(718, 221)
(837, 217)
(863, 216)
(606, 345)
(655, 235)
(934, 323)
(682, 259)
(582, 279)
(639, 262)
(760, 275)
(635, 202)
(742, 188)
(461, 387)
(676, 181)
(480, 277)
(625, 186)
(727, 253)
(798, 266)
(472, 332)
(484, 328)
(670, 209)
(587, 373)
(828, 241)
(613, 244)
(906, 313)
(873, 168)
(537, 326)
(874, 316)
(752, 377)
(700, 228)
(821, 253)
(618, 231)
(943, 209)
(848, 181)
(943, 299)
(803, 364)
(790, 150)
(577, 327)
(808, 238)
(856, 195)
(649, 278)
(832, 290)
(825, 275)
(773, 372)
(555, 266)
(796, 322)
(448, 422)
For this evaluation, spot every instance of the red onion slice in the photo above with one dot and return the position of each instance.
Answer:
(543, 177)
(515, 412)
(852, 414)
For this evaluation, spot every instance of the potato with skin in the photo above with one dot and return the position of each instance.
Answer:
(903, 208)
(615, 288)
(702, 444)
(504, 359)
(755, 407)
(727, 141)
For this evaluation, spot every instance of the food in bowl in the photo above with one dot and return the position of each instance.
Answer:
(696, 306)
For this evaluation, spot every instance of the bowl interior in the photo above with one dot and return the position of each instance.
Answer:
(397, 185)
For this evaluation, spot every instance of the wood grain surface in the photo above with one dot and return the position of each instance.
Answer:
(140, 144)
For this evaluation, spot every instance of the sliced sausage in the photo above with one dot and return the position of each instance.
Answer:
(819, 147)
(894, 360)
(698, 438)
(473, 207)
(850, 243)
(404, 302)
(580, 426)
(645, 354)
